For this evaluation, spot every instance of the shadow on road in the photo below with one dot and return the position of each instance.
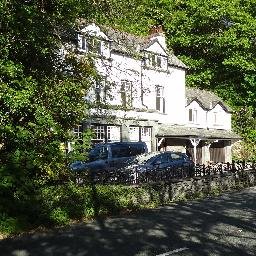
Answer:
(223, 225)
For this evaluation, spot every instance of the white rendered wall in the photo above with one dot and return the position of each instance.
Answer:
(206, 119)
(223, 118)
(156, 48)
(117, 67)
(175, 96)
(201, 121)
(127, 68)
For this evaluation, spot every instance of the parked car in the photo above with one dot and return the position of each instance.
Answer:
(160, 161)
(110, 156)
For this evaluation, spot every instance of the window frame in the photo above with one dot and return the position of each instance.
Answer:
(100, 90)
(126, 93)
(103, 133)
(78, 131)
(154, 60)
(192, 115)
(83, 43)
(215, 118)
(93, 45)
(160, 99)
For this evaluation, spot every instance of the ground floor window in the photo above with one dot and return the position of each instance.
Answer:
(106, 133)
(78, 131)
(138, 133)
(134, 133)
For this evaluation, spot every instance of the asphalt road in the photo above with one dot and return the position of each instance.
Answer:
(223, 225)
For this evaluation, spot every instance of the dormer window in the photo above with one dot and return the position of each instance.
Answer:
(154, 60)
(158, 61)
(90, 44)
(94, 45)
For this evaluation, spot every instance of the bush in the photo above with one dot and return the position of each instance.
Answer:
(8, 224)
(59, 216)
(80, 202)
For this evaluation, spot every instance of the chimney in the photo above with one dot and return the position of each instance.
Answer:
(156, 32)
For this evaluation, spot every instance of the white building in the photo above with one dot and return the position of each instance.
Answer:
(141, 96)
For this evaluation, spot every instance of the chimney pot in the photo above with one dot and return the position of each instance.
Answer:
(156, 30)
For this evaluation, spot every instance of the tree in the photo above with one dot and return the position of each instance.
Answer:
(41, 97)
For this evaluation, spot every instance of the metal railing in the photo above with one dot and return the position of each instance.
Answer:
(140, 176)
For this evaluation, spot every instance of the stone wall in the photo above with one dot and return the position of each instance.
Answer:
(198, 187)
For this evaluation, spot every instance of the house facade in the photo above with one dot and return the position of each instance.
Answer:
(140, 95)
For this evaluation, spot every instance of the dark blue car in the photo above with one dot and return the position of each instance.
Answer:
(160, 160)
(108, 156)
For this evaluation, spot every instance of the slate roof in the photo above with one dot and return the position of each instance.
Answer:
(208, 100)
(127, 43)
(132, 44)
(123, 41)
(182, 131)
(174, 61)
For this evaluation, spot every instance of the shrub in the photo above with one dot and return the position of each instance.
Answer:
(8, 224)
(59, 216)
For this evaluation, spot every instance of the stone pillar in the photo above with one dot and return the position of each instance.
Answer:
(195, 142)
(206, 153)
(227, 151)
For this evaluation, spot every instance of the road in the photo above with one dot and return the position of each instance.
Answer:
(224, 225)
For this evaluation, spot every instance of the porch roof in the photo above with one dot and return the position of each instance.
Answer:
(189, 132)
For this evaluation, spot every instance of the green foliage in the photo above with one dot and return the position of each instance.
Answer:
(81, 146)
(41, 99)
(59, 216)
(41, 93)
(54, 205)
(8, 225)
(86, 201)
(49, 205)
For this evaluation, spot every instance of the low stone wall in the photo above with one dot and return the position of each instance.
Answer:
(197, 187)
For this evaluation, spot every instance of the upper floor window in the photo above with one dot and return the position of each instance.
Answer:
(217, 118)
(192, 115)
(126, 93)
(101, 90)
(94, 45)
(83, 46)
(160, 100)
(154, 60)
(90, 44)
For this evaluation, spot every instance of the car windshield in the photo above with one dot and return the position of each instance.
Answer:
(144, 158)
